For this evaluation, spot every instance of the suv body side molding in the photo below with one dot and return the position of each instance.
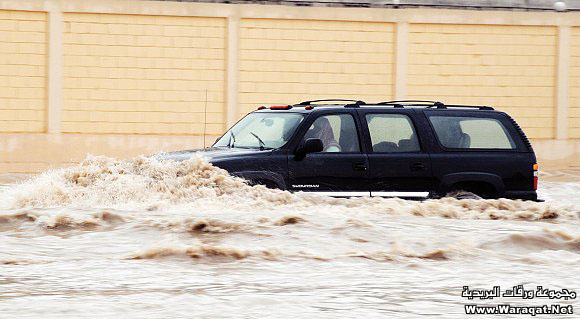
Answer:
(340, 194)
(372, 194)
(400, 194)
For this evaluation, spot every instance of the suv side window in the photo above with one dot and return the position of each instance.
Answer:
(471, 132)
(392, 133)
(337, 132)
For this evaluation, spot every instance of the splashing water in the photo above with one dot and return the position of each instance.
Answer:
(147, 182)
(190, 234)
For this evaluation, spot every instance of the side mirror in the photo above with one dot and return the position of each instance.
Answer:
(311, 145)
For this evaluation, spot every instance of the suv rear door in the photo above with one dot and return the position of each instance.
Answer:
(399, 164)
(482, 152)
(341, 168)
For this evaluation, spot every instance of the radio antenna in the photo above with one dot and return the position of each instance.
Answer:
(204, 118)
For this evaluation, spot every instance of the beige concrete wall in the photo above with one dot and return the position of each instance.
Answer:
(22, 71)
(287, 61)
(136, 74)
(555, 154)
(122, 78)
(574, 112)
(509, 67)
(37, 152)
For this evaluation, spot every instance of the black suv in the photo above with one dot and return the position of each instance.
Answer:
(408, 149)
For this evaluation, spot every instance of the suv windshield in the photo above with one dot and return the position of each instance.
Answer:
(264, 130)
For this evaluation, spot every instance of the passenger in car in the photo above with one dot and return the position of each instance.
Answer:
(465, 141)
(409, 145)
(385, 147)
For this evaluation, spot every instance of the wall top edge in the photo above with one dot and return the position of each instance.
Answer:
(198, 9)
(516, 5)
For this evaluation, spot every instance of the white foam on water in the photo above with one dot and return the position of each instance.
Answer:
(121, 229)
(151, 183)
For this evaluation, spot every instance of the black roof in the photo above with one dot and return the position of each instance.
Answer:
(344, 103)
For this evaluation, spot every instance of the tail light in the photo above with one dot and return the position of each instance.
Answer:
(536, 176)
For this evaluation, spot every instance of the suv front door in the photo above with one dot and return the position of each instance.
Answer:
(341, 169)
(399, 166)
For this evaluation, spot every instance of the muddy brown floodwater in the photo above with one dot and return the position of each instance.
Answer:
(143, 238)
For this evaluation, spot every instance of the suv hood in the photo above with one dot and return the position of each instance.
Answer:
(213, 154)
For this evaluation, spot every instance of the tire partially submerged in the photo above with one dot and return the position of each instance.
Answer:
(459, 194)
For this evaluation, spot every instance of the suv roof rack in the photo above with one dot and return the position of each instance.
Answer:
(308, 105)
(356, 102)
(431, 104)
(479, 107)
(410, 102)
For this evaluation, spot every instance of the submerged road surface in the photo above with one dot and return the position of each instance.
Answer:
(149, 239)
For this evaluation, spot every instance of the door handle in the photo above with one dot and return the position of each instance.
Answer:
(359, 167)
(417, 166)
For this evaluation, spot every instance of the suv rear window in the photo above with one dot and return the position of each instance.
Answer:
(471, 132)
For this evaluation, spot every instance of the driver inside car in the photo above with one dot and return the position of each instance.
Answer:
(321, 129)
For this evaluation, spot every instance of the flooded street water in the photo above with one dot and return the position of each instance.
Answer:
(149, 239)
